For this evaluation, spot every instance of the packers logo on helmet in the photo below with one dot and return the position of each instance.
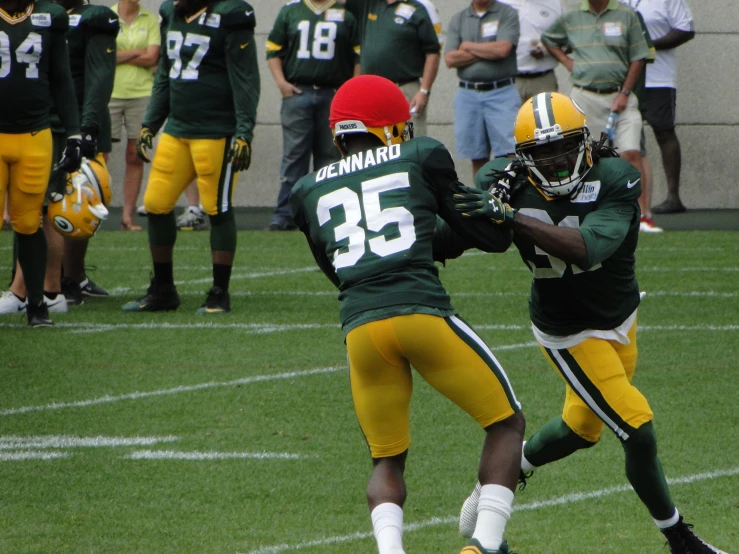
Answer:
(78, 211)
(553, 142)
(370, 104)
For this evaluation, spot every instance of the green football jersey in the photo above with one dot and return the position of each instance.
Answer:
(369, 220)
(317, 45)
(91, 40)
(207, 82)
(566, 299)
(395, 38)
(34, 70)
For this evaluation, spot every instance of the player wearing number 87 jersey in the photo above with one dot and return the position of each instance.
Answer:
(207, 89)
(312, 49)
(369, 220)
(574, 216)
(34, 75)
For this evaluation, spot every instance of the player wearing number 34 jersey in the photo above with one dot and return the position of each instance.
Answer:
(207, 90)
(369, 220)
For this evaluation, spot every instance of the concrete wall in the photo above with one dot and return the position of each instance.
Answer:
(707, 115)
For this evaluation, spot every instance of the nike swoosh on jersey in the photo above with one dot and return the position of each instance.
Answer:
(247, 14)
(244, 45)
(630, 185)
(108, 50)
(112, 20)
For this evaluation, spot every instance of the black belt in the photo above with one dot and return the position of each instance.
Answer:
(482, 87)
(533, 74)
(316, 87)
(600, 90)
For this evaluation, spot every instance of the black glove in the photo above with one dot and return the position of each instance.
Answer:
(89, 144)
(481, 203)
(144, 143)
(71, 156)
(240, 154)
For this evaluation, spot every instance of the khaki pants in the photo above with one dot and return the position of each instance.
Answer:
(598, 106)
(529, 87)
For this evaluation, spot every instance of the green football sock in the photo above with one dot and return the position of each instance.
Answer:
(223, 232)
(32, 258)
(162, 229)
(554, 441)
(644, 472)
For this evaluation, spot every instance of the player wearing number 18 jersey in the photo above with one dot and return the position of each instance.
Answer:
(369, 220)
(34, 76)
(312, 49)
(207, 89)
(574, 216)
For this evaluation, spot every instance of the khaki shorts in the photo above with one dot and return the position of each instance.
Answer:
(129, 112)
(598, 106)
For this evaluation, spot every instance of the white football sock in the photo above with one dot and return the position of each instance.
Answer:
(665, 523)
(525, 464)
(493, 512)
(387, 521)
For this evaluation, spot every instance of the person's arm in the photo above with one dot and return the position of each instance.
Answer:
(286, 89)
(62, 85)
(125, 56)
(496, 50)
(243, 73)
(673, 39)
(147, 58)
(430, 70)
(632, 76)
(561, 242)
(555, 41)
(99, 77)
(453, 56)
(158, 109)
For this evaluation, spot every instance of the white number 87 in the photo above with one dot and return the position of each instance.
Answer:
(377, 218)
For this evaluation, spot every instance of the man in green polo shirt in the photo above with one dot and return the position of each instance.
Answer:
(400, 43)
(607, 57)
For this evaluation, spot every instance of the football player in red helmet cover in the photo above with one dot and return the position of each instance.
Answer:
(369, 220)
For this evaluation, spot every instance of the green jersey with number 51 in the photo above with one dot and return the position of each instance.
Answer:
(369, 220)
(207, 82)
(567, 299)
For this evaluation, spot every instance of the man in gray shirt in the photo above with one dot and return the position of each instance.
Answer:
(481, 45)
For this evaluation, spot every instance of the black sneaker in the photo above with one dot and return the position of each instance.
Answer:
(72, 291)
(682, 540)
(217, 302)
(89, 288)
(158, 298)
(38, 316)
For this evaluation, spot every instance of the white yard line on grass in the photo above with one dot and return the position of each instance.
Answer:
(32, 455)
(67, 441)
(204, 456)
(175, 390)
(433, 522)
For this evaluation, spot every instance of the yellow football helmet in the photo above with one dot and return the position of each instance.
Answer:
(553, 142)
(78, 211)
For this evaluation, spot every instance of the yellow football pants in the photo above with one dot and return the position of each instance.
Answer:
(177, 161)
(598, 374)
(25, 167)
(446, 352)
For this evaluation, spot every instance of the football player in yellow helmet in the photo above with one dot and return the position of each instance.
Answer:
(78, 211)
(553, 142)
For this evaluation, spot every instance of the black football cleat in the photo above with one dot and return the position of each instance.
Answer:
(72, 291)
(158, 298)
(682, 540)
(38, 316)
(217, 302)
(89, 288)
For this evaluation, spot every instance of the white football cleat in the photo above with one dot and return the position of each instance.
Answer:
(468, 515)
(11, 304)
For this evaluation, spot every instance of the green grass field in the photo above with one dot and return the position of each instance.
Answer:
(172, 433)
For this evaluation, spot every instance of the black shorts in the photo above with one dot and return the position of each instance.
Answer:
(658, 107)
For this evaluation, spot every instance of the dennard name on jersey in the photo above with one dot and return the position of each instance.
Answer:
(358, 162)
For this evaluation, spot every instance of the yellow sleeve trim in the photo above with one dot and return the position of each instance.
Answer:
(272, 47)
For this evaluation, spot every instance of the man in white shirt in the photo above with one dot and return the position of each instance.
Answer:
(670, 24)
(535, 64)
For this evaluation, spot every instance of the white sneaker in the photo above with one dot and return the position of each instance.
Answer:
(192, 219)
(58, 305)
(11, 304)
(646, 225)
